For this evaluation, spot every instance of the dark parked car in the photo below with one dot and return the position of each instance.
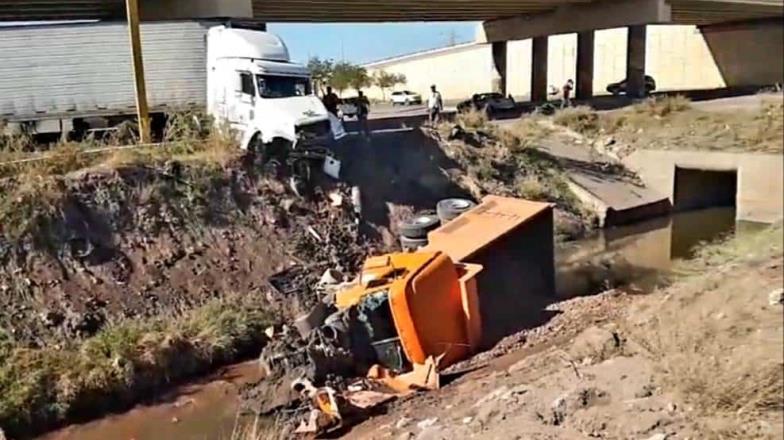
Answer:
(618, 88)
(493, 104)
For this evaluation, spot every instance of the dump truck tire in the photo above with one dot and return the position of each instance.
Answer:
(418, 226)
(449, 209)
(412, 244)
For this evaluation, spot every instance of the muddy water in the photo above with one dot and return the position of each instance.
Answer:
(634, 257)
(206, 410)
(631, 257)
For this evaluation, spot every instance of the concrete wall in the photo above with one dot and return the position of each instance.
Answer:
(678, 57)
(458, 72)
(760, 195)
(748, 54)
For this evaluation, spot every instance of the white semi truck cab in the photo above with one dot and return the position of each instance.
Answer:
(253, 86)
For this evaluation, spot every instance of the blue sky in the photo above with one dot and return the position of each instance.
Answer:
(360, 43)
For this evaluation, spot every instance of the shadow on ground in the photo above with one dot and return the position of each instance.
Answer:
(405, 168)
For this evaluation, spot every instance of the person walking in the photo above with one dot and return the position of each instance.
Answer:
(331, 101)
(566, 92)
(435, 105)
(363, 109)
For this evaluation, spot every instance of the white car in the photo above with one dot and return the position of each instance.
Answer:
(405, 97)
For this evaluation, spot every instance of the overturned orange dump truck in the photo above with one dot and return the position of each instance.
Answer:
(469, 287)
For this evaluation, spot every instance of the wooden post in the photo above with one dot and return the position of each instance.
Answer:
(142, 110)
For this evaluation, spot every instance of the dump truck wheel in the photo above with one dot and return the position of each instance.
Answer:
(412, 244)
(449, 209)
(418, 226)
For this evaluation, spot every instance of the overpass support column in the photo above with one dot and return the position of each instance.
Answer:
(499, 62)
(539, 51)
(635, 62)
(585, 65)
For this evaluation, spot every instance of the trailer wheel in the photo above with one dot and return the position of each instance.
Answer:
(412, 244)
(418, 226)
(449, 209)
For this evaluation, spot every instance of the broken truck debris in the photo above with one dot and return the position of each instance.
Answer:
(408, 316)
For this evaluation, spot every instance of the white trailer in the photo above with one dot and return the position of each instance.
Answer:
(74, 77)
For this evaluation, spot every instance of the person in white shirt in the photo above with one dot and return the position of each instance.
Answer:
(434, 105)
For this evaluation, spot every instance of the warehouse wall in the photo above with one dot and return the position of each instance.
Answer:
(678, 58)
(458, 72)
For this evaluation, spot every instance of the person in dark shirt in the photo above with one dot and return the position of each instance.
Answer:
(567, 93)
(331, 101)
(363, 109)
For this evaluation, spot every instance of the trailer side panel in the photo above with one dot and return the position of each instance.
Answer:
(75, 70)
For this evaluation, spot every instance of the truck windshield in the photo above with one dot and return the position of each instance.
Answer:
(271, 86)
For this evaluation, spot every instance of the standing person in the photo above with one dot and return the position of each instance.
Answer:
(331, 101)
(435, 105)
(566, 91)
(363, 109)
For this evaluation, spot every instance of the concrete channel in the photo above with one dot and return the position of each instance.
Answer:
(752, 182)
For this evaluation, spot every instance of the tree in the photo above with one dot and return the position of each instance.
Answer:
(321, 71)
(342, 73)
(347, 75)
(360, 78)
(385, 80)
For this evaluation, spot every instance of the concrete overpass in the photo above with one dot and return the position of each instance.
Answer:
(504, 20)
(500, 12)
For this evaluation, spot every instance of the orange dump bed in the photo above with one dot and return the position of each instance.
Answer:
(479, 228)
(512, 241)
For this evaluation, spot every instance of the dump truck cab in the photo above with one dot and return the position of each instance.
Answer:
(431, 302)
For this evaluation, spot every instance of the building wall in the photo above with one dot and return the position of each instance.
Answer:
(678, 57)
(457, 73)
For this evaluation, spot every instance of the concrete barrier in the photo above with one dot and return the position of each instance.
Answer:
(759, 188)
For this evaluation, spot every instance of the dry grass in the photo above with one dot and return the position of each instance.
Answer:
(669, 124)
(715, 338)
(581, 119)
(125, 361)
(472, 119)
(523, 133)
(188, 137)
(260, 429)
(509, 164)
(660, 106)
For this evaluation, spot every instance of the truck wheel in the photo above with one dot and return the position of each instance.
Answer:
(418, 226)
(412, 244)
(449, 209)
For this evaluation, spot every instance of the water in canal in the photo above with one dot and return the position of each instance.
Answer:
(632, 257)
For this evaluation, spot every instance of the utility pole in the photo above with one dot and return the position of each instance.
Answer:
(142, 110)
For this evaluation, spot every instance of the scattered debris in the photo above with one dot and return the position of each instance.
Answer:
(776, 297)
(424, 424)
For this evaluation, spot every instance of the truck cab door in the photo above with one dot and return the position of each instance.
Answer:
(243, 100)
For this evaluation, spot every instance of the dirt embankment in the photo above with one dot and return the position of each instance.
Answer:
(701, 358)
(122, 273)
(117, 280)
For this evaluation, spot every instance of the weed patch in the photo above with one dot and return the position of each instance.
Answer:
(581, 119)
(43, 387)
